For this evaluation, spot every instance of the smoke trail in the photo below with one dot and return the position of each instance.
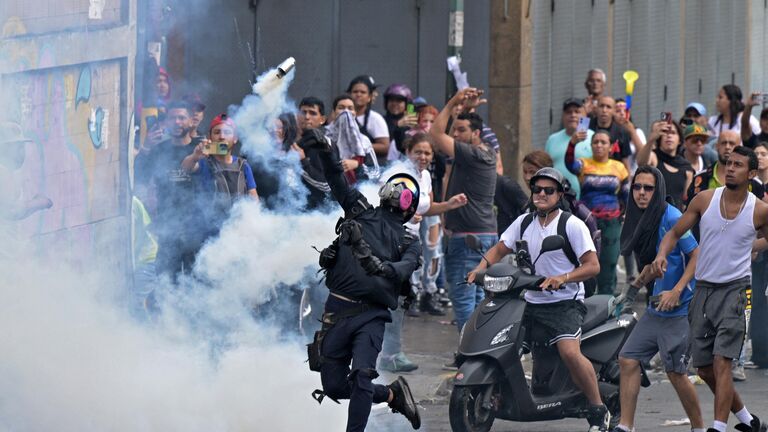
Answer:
(74, 360)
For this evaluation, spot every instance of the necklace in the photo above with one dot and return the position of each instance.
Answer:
(725, 213)
(548, 221)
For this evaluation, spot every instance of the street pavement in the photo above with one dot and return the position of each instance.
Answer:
(430, 342)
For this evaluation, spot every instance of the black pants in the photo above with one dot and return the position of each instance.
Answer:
(356, 340)
(176, 253)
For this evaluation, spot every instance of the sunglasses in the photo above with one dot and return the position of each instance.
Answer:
(645, 187)
(549, 190)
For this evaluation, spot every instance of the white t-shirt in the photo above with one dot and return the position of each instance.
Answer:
(719, 127)
(425, 188)
(554, 263)
(377, 126)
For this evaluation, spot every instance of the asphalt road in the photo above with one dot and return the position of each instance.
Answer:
(430, 342)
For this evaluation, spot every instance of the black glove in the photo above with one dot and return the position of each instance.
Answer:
(314, 138)
(350, 232)
(386, 270)
(328, 256)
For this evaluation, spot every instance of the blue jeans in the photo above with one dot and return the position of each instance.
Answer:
(393, 342)
(460, 260)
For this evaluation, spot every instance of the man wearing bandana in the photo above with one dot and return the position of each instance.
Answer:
(664, 326)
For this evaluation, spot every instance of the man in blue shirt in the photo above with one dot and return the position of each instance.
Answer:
(557, 143)
(664, 326)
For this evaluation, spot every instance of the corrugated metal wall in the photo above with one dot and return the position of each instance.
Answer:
(684, 50)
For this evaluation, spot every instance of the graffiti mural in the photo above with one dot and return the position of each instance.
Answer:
(71, 117)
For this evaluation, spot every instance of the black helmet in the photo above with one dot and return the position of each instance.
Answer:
(400, 192)
(551, 174)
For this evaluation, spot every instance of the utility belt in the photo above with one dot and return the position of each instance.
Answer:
(315, 357)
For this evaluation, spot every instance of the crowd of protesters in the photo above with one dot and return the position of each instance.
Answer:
(628, 189)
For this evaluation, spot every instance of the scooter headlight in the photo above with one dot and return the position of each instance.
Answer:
(502, 336)
(497, 284)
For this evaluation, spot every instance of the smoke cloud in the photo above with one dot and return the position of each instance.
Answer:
(75, 359)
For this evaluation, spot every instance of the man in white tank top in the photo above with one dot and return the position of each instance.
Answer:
(729, 218)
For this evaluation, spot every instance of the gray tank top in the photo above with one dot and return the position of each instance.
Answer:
(725, 249)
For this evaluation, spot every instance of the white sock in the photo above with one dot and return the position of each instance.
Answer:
(698, 430)
(744, 416)
(625, 428)
(720, 426)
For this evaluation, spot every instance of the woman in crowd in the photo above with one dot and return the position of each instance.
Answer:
(729, 107)
(663, 153)
(534, 161)
(371, 123)
(399, 121)
(419, 149)
(604, 189)
(346, 134)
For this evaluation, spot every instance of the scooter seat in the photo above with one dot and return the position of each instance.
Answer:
(597, 311)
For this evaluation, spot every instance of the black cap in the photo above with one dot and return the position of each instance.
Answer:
(572, 102)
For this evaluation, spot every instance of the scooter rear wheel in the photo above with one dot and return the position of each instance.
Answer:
(468, 412)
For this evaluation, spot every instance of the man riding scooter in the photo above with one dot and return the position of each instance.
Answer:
(557, 312)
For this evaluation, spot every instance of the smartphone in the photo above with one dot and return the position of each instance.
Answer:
(654, 301)
(411, 109)
(762, 97)
(583, 125)
(666, 117)
(216, 148)
(151, 122)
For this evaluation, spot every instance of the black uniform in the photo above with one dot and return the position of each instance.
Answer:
(355, 329)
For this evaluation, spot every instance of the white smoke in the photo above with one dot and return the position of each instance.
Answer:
(73, 359)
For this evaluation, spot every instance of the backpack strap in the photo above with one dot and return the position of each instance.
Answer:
(561, 230)
(561, 224)
(526, 223)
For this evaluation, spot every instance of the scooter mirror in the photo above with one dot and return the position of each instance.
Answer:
(551, 243)
(473, 243)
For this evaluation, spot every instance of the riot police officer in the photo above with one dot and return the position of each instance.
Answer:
(367, 267)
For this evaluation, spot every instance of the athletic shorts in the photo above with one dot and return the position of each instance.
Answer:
(718, 321)
(548, 323)
(666, 335)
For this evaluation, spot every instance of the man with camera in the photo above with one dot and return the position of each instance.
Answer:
(557, 312)
(367, 268)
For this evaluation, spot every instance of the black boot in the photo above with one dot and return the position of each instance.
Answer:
(403, 402)
(429, 305)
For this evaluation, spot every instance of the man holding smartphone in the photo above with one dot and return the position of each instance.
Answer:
(574, 119)
(620, 129)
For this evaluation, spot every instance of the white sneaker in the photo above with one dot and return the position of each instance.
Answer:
(738, 373)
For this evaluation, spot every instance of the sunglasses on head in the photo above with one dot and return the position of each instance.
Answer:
(645, 187)
(549, 190)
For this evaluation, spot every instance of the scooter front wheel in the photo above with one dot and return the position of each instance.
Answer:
(471, 408)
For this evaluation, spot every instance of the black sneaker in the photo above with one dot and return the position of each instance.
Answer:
(403, 402)
(754, 426)
(599, 418)
(757, 425)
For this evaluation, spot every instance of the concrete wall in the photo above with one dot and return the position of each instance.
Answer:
(66, 72)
